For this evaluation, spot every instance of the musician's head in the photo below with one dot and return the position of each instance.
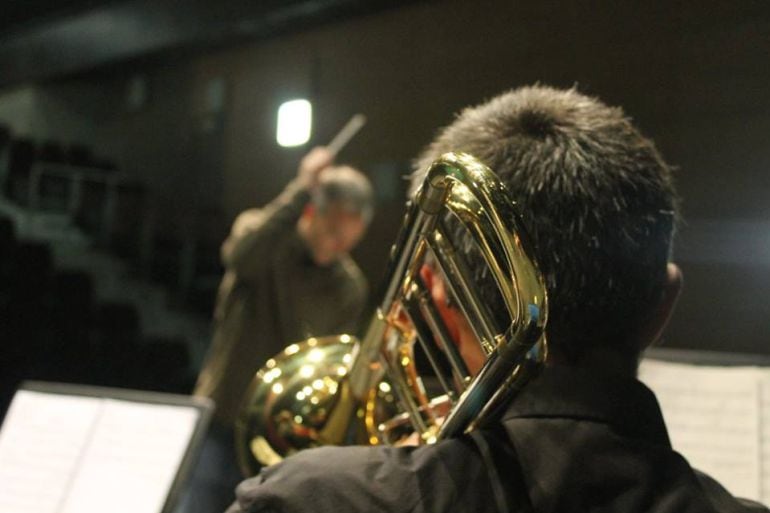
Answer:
(341, 206)
(599, 204)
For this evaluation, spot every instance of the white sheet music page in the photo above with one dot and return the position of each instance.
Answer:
(765, 437)
(713, 418)
(41, 443)
(132, 458)
(69, 454)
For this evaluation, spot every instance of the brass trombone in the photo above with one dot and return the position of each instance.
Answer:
(337, 390)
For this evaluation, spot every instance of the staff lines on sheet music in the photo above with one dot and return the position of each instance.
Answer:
(132, 454)
(714, 420)
(151, 462)
(693, 408)
(67, 453)
(763, 434)
(31, 474)
(51, 448)
(31, 496)
(71, 477)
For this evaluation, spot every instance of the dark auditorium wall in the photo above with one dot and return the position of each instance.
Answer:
(693, 75)
(68, 112)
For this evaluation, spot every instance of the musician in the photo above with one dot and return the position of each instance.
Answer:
(288, 276)
(599, 204)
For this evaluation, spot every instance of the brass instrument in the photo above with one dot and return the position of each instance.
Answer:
(338, 390)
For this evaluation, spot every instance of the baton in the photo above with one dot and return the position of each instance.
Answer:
(350, 129)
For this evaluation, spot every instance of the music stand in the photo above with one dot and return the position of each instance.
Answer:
(68, 448)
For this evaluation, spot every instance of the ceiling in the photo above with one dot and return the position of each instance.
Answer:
(45, 39)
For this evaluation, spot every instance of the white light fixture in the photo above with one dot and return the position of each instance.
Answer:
(294, 119)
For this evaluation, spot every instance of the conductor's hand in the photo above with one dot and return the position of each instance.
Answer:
(318, 159)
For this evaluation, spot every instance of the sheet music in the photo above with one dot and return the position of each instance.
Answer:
(713, 417)
(765, 437)
(40, 447)
(66, 454)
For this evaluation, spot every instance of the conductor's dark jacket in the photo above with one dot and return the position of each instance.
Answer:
(272, 295)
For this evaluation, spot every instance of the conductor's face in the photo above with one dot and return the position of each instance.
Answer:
(333, 233)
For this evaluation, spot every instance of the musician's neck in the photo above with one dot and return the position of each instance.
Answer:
(602, 361)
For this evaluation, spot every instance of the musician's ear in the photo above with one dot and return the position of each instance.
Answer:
(657, 321)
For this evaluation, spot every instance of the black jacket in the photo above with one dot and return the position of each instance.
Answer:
(571, 442)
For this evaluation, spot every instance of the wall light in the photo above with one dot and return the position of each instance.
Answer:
(294, 119)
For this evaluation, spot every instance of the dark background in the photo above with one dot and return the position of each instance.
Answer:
(693, 75)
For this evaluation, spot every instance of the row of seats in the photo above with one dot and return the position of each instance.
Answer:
(114, 211)
(52, 324)
(53, 327)
(23, 152)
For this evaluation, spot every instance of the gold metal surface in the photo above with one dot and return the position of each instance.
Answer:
(332, 391)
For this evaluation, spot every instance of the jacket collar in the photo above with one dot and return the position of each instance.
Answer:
(569, 392)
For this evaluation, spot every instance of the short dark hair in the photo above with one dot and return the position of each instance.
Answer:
(597, 200)
(347, 187)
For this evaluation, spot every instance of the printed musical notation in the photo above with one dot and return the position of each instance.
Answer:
(719, 419)
(70, 454)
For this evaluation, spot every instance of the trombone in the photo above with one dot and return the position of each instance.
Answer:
(339, 390)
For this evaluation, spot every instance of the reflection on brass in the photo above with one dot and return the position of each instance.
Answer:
(300, 399)
(339, 390)
(263, 452)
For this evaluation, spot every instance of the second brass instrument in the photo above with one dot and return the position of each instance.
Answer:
(337, 390)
